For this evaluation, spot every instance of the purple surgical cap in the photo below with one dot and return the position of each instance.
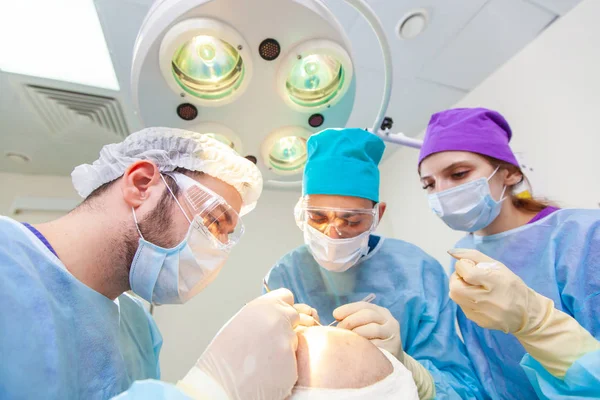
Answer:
(477, 130)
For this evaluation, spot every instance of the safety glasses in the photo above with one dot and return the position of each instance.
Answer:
(210, 212)
(336, 222)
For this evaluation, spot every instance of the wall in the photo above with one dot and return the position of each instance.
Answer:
(187, 329)
(18, 185)
(550, 94)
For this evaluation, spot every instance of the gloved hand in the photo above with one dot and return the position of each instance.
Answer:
(377, 324)
(253, 357)
(373, 322)
(308, 315)
(493, 297)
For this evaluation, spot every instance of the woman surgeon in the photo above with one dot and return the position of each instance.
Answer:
(527, 275)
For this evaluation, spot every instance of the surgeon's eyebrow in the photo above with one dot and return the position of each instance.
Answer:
(448, 168)
(349, 215)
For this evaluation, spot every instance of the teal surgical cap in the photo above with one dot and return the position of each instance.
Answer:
(343, 162)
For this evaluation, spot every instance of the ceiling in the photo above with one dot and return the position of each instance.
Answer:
(59, 125)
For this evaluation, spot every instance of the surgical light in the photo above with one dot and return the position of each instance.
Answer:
(271, 83)
(284, 151)
(219, 132)
(206, 61)
(315, 80)
(288, 153)
(221, 138)
(207, 67)
(315, 75)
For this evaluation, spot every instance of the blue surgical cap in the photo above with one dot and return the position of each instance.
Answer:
(343, 162)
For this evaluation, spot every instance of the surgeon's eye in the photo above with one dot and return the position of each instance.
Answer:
(460, 175)
(428, 186)
(317, 218)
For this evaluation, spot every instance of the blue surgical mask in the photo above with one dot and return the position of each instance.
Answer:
(468, 207)
(173, 276)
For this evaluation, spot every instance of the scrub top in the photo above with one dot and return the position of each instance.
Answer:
(59, 339)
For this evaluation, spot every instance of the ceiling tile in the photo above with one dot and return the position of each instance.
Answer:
(446, 19)
(500, 29)
(560, 7)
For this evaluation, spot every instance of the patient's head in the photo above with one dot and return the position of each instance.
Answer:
(337, 363)
(335, 358)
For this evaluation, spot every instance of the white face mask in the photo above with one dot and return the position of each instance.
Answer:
(336, 255)
(468, 207)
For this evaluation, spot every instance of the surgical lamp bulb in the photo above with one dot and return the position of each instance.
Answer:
(314, 80)
(311, 67)
(207, 67)
(288, 153)
(206, 52)
(221, 138)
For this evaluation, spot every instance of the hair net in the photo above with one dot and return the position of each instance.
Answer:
(171, 148)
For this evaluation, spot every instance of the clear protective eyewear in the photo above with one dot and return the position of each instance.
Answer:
(210, 212)
(336, 222)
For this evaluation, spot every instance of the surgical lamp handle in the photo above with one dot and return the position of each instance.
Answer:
(367, 12)
(399, 138)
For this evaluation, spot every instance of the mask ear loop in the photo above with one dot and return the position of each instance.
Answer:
(502, 198)
(376, 219)
(175, 198)
(493, 173)
(137, 226)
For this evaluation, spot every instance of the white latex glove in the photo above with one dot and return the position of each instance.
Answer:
(253, 357)
(373, 322)
(494, 297)
(377, 324)
(308, 315)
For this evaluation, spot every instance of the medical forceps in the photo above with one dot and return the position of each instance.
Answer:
(367, 299)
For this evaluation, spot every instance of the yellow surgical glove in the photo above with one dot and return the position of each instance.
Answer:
(494, 297)
(377, 324)
(422, 377)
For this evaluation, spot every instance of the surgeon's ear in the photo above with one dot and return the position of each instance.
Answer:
(382, 208)
(513, 176)
(137, 181)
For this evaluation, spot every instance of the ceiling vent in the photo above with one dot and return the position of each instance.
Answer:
(62, 109)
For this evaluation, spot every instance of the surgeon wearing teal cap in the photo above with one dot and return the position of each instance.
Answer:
(343, 261)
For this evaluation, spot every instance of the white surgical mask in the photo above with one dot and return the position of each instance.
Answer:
(468, 207)
(173, 276)
(336, 255)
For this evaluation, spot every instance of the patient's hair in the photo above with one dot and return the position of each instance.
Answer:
(333, 358)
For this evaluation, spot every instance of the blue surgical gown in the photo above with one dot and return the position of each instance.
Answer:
(408, 282)
(558, 257)
(59, 339)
